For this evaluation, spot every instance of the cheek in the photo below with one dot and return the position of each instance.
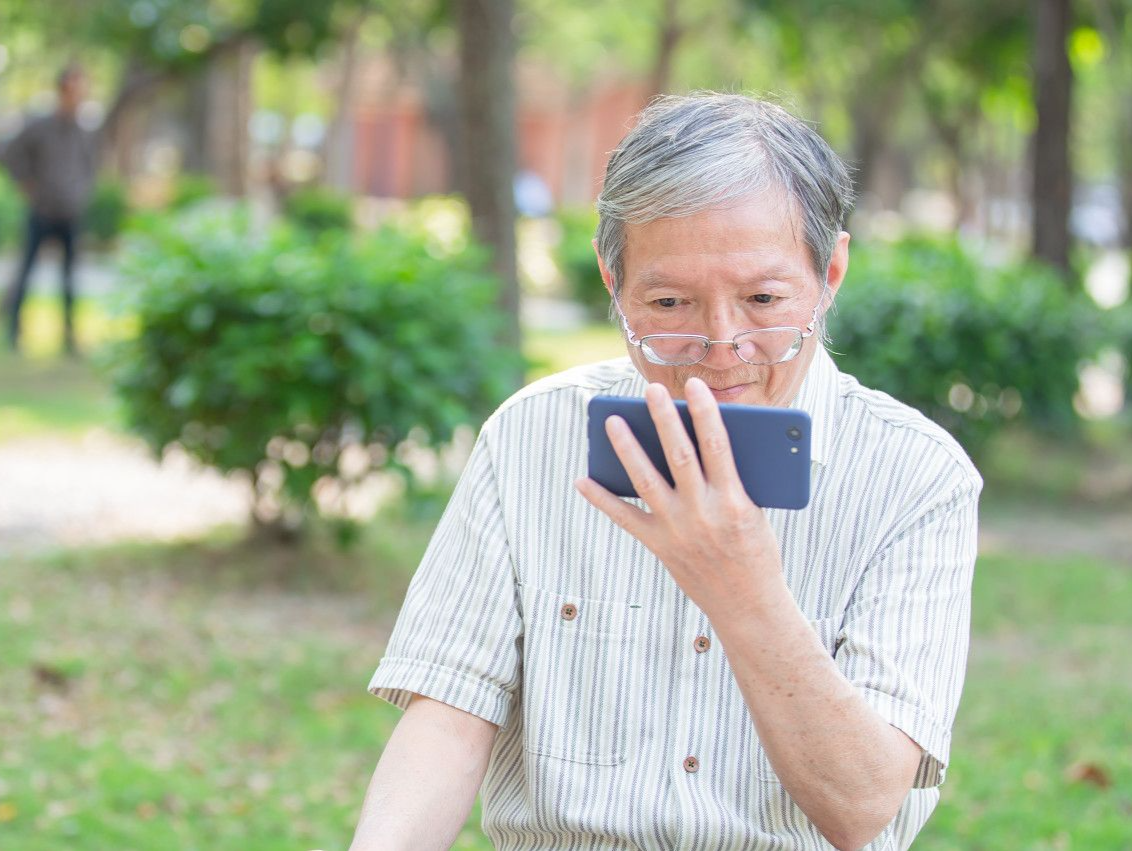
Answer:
(781, 383)
(671, 377)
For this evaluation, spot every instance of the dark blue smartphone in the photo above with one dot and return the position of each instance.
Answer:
(771, 448)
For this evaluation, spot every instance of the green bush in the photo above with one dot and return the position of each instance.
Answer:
(13, 211)
(189, 188)
(107, 211)
(969, 344)
(318, 209)
(279, 355)
(577, 261)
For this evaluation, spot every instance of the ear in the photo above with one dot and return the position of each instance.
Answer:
(838, 265)
(606, 277)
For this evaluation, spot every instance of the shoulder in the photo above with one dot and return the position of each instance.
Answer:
(899, 440)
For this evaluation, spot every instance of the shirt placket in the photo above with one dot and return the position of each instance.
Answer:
(695, 654)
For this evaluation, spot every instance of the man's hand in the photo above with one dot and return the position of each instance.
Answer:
(715, 542)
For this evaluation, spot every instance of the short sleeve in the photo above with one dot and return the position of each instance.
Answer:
(457, 637)
(906, 632)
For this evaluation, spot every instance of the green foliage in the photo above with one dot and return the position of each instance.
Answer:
(190, 188)
(577, 261)
(107, 211)
(13, 211)
(318, 209)
(970, 345)
(277, 355)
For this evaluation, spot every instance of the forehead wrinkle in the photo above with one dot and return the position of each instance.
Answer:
(652, 278)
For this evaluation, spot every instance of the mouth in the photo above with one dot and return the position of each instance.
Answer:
(728, 394)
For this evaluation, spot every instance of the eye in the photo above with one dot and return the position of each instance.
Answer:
(670, 301)
(763, 298)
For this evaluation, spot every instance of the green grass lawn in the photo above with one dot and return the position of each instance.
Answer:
(202, 695)
(1041, 756)
(212, 695)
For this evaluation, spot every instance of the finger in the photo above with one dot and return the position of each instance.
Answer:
(626, 515)
(715, 445)
(650, 485)
(678, 448)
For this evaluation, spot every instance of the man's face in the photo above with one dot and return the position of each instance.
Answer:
(717, 273)
(72, 90)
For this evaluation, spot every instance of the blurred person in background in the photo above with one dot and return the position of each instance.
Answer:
(53, 161)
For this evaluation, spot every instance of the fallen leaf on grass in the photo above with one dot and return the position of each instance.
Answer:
(48, 675)
(1088, 772)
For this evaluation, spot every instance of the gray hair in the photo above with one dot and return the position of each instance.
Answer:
(706, 150)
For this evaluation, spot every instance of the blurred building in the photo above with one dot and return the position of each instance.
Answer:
(402, 133)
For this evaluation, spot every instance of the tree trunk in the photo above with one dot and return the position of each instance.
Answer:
(228, 117)
(667, 39)
(1126, 184)
(338, 147)
(194, 156)
(1119, 64)
(116, 135)
(488, 111)
(1052, 186)
(217, 110)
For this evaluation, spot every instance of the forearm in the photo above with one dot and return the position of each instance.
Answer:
(426, 780)
(841, 762)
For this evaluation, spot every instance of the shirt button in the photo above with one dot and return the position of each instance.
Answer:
(569, 612)
(702, 643)
(691, 765)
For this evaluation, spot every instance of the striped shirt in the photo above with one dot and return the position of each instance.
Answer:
(532, 610)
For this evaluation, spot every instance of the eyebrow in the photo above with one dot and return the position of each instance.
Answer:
(652, 279)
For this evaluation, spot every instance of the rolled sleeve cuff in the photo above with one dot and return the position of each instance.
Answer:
(934, 740)
(398, 679)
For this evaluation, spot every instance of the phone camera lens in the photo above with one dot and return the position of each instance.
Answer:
(794, 433)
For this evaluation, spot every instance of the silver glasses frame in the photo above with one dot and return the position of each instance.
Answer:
(792, 353)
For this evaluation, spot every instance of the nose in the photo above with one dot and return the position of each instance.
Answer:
(721, 355)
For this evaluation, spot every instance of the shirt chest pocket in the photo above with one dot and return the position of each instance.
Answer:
(580, 660)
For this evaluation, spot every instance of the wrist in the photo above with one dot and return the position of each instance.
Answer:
(759, 603)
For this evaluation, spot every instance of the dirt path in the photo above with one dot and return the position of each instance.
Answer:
(101, 488)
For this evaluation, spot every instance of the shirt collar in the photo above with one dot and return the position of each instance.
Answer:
(818, 397)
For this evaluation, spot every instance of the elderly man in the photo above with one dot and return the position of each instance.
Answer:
(691, 671)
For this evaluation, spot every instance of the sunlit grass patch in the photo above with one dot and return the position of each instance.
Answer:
(553, 351)
(1040, 755)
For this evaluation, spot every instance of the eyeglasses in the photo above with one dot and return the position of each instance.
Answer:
(759, 346)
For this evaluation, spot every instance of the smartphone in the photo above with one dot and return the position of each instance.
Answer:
(771, 448)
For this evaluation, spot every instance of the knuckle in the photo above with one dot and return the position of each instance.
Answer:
(716, 444)
(647, 484)
(683, 455)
